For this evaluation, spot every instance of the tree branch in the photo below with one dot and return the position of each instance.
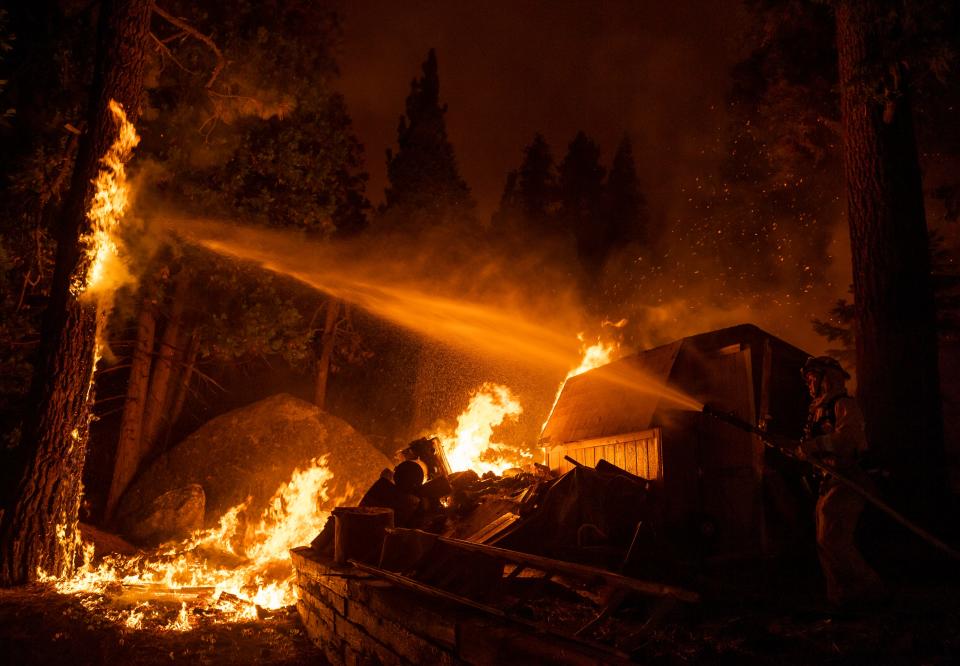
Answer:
(193, 32)
(210, 380)
(165, 51)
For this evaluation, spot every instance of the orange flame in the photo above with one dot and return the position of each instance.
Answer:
(260, 574)
(110, 201)
(591, 356)
(470, 446)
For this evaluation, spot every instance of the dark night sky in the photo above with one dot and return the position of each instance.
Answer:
(508, 69)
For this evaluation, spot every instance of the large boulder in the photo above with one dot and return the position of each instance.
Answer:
(171, 515)
(249, 452)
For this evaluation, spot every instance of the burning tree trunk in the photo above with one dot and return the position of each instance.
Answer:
(897, 374)
(327, 343)
(131, 426)
(38, 529)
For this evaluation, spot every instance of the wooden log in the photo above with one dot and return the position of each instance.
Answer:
(359, 532)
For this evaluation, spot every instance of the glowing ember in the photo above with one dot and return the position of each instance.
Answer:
(239, 564)
(470, 447)
(591, 356)
(109, 204)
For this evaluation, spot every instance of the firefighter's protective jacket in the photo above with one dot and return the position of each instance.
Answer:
(835, 431)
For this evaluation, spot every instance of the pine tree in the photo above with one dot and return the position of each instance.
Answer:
(625, 204)
(581, 202)
(507, 218)
(537, 182)
(38, 523)
(424, 181)
(529, 199)
(277, 140)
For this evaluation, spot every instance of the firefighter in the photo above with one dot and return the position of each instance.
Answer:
(835, 435)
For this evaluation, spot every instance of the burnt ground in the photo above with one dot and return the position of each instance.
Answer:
(751, 614)
(920, 624)
(40, 626)
(775, 613)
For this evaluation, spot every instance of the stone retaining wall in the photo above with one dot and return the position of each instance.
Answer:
(358, 620)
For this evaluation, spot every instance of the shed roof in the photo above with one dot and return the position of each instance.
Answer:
(622, 397)
(616, 398)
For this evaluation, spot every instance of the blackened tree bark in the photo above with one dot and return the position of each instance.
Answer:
(38, 529)
(897, 371)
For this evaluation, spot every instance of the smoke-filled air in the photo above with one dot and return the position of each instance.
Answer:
(315, 315)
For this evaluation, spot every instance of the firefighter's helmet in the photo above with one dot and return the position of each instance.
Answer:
(820, 364)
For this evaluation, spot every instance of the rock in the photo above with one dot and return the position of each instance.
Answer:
(105, 543)
(174, 514)
(251, 452)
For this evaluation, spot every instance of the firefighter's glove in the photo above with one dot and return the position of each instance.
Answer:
(810, 448)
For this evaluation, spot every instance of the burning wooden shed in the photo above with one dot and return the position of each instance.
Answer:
(713, 483)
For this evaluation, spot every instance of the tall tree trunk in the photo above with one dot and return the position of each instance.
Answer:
(326, 352)
(182, 385)
(39, 524)
(897, 371)
(131, 426)
(157, 398)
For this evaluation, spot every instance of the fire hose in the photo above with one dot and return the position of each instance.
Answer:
(866, 494)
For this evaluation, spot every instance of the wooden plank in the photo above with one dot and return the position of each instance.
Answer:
(495, 529)
(580, 570)
(564, 642)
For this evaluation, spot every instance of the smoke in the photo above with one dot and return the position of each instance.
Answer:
(686, 292)
(457, 292)
(661, 73)
(484, 314)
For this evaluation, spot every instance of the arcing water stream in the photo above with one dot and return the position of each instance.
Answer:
(230, 571)
(387, 289)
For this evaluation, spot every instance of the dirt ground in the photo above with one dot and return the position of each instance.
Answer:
(919, 624)
(40, 626)
(924, 629)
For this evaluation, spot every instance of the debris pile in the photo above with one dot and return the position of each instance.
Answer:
(588, 514)
(543, 551)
